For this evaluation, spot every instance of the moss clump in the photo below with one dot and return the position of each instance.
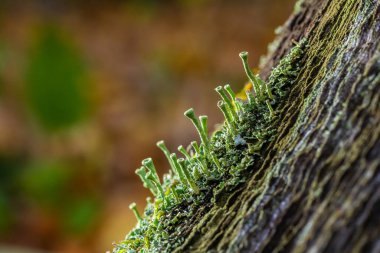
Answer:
(215, 165)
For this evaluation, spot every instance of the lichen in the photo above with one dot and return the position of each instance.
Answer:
(218, 164)
(298, 6)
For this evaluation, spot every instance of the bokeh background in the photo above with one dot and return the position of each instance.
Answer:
(86, 90)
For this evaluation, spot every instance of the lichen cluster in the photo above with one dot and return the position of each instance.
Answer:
(216, 163)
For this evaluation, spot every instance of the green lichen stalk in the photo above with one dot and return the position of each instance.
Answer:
(220, 162)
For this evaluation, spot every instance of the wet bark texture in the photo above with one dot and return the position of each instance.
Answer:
(318, 186)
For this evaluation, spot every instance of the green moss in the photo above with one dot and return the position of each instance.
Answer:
(215, 167)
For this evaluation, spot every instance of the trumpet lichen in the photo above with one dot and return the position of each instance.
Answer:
(220, 162)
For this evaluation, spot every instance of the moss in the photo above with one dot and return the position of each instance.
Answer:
(181, 212)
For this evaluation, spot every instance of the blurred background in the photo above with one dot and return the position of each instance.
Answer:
(86, 90)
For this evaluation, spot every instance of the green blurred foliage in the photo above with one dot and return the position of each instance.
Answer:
(2, 65)
(55, 82)
(49, 185)
(5, 213)
(79, 215)
(45, 182)
(10, 166)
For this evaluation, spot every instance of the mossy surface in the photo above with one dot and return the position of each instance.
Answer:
(313, 184)
(169, 222)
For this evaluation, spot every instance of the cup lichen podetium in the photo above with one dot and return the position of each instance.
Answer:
(218, 161)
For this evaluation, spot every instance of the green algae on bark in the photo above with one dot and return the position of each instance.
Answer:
(219, 164)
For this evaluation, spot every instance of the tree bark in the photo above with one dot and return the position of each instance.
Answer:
(317, 188)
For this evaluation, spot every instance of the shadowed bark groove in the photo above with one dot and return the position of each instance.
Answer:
(318, 187)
